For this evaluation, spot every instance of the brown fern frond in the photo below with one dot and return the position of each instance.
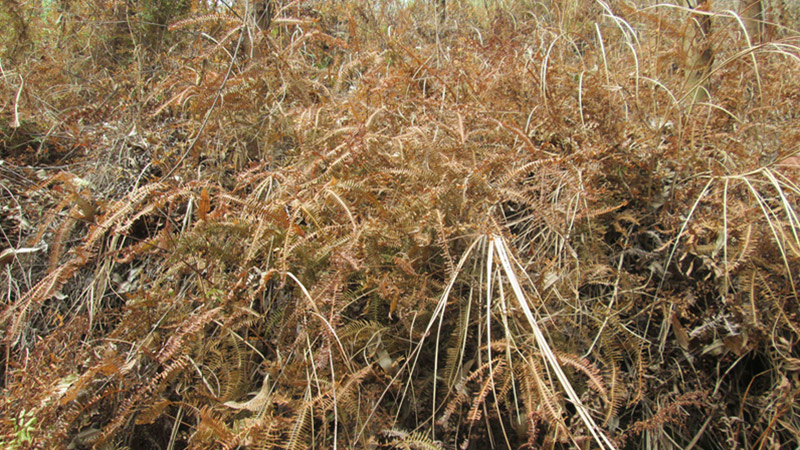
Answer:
(746, 249)
(211, 428)
(415, 440)
(346, 398)
(227, 362)
(487, 387)
(642, 364)
(360, 330)
(191, 326)
(260, 432)
(420, 174)
(155, 202)
(454, 355)
(300, 431)
(267, 434)
(515, 172)
(152, 412)
(212, 17)
(461, 397)
(547, 399)
(523, 197)
(442, 238)
(673, 412)
(587, 368)
(126, 408)
(615, 388)
(57, 244)
(17, 313)
(74, 409)
(108, 367)
(159, 243)
(124, 207)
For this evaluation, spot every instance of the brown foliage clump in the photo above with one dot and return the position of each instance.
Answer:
(358, 225)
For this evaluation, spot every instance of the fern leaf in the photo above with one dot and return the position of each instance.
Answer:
(300, 433)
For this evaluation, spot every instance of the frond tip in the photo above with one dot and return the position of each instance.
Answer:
(415, 440)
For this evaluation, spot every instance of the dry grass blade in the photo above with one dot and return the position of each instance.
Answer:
(502, 254)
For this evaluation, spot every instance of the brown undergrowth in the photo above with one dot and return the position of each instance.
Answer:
(528, 225)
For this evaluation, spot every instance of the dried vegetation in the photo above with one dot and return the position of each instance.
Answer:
(387, 225)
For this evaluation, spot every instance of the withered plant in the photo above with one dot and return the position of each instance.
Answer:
(416, 225)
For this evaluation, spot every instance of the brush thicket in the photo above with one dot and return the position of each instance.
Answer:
(359, 225)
